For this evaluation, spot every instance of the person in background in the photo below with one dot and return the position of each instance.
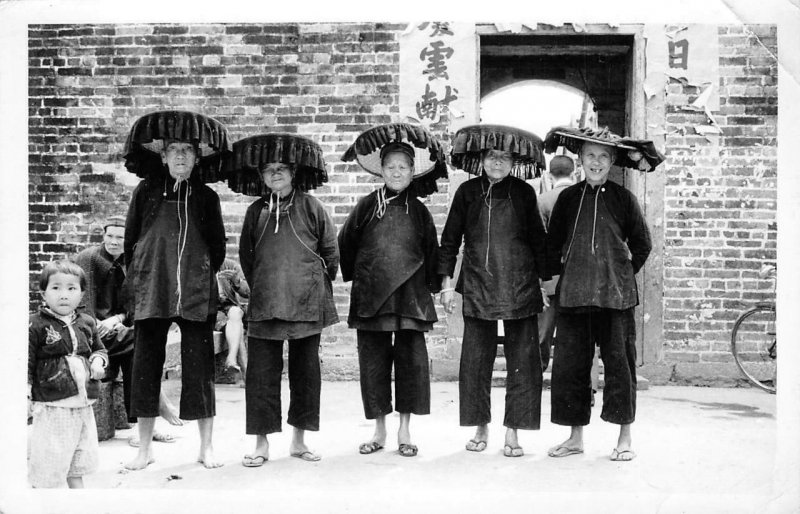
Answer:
(233, 295)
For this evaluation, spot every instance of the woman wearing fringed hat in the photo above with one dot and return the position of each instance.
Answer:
(174, 244)
(496, 217)
(289, 258)
(597, 241)
(389, 246)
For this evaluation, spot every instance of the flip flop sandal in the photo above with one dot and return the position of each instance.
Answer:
(254, 462)
(622, 456)
(307, 456)
(513, 451)
(407, 450)
(371, 447)
(563, 451)
(476, 446)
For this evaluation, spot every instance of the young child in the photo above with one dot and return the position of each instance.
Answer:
(65, 360)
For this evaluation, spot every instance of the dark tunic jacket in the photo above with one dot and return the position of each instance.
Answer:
(408, 276)
(205, 216)
(295, 286)
(465, 215)
(49, 341)
(622, 243)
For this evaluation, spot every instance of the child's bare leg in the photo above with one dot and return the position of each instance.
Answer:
(404, 433)
(75, 482)
(233, 335)
(206, 457)
(145, 455)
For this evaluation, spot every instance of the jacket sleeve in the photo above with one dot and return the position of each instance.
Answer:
(349, 240)
(96, 345)
(453, 233)
(33, 340)
(241, 286)
(133, 223)
(537, 236)
(557, 233)
(638, 234)
(328, 246)
(215, 229)
(430, 246)
(246, 243)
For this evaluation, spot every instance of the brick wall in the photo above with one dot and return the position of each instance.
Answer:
(720, 200)
(88, 84)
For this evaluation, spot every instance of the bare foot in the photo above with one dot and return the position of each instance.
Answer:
(141, 461)
(206, 458)
(170, 414)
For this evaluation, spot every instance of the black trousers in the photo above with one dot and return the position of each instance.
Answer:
(412, 383)
(614, 332)
(197, 367)
(263, 384)
(122, 362)
(523, 407)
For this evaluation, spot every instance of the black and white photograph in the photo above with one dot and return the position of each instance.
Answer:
(348, 257)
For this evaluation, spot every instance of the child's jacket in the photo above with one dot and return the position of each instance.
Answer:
(49, 342)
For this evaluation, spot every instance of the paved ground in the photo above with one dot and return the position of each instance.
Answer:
(700, 450)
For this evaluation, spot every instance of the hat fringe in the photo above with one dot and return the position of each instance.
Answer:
(252, 154)
(209, 134)
(470, 142)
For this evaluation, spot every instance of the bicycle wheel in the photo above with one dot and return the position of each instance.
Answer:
(754, 346)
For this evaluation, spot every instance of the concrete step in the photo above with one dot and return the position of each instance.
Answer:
(499, 380)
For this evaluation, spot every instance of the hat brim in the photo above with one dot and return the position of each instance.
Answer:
(470, 142)
(423, 161)
(637, 154)
(146, 139)
(252, 154)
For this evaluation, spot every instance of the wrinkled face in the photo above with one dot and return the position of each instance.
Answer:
(180, 159)
(63, 293)
(397, 170)
(114, 240)
(497, 164)
(596, 161)
(278, 177)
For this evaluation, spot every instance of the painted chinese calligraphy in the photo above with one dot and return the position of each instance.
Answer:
(679, 54)
(430, 104)
(436, 54)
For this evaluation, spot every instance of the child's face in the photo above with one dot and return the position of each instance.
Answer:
(63, 293)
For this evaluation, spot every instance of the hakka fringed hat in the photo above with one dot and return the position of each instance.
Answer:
(414, 140)
(150, 132)
(637, 154)
(470, 142)
(252, 154)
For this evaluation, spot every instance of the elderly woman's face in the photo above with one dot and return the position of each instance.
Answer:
(397, 170)
(278, 177)
(180, 159)
(596, 161)
(497, 164)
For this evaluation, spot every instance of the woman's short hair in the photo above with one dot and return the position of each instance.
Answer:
(62, 266)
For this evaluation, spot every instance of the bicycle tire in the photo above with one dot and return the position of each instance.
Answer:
(753, 343)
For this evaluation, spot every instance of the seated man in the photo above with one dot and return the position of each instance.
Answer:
(233, 293)
(104, 299)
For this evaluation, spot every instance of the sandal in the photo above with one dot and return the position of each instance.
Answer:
(407, 450)
(370, 447)
(476, 446)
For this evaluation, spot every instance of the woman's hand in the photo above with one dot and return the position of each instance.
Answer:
(98, 369)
